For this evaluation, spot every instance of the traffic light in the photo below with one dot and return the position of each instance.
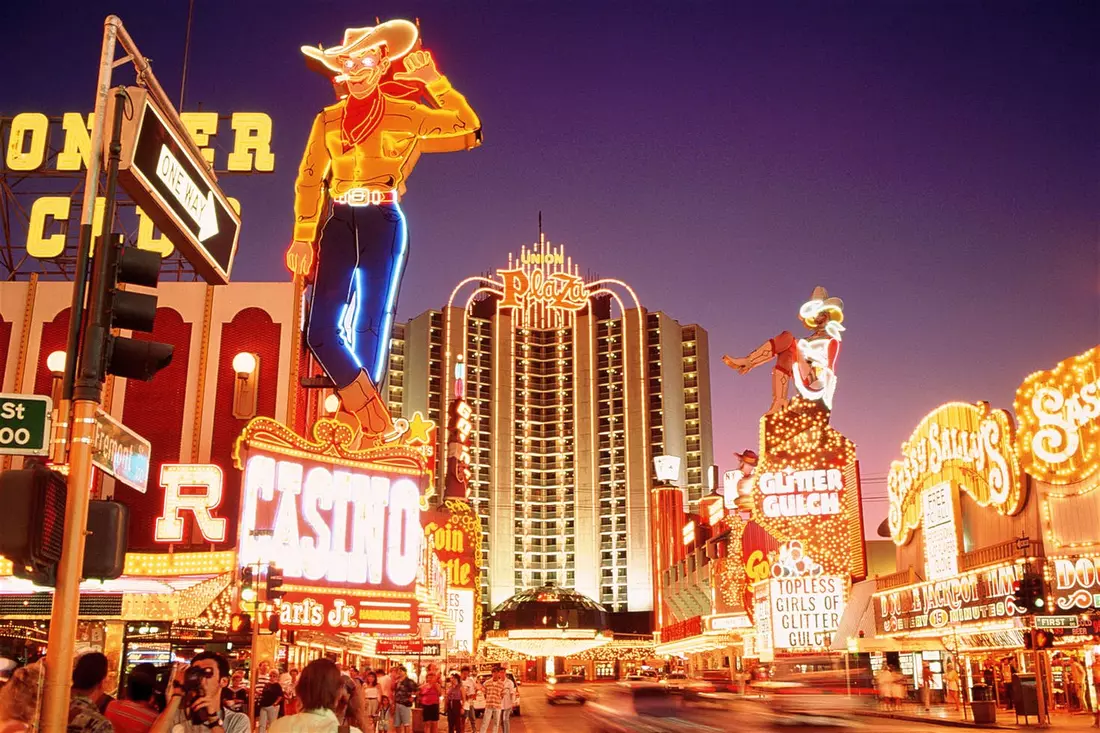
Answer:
(273, 622)
(1038, 639)
(240, 623)
(274, 583)
(1028, 594)
(127, 357)
(105, 546)
(32, 522)
(248, 584)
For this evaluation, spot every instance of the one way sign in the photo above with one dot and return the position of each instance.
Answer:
(176, 189)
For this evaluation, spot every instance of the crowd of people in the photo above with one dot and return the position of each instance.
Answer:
(206, 696)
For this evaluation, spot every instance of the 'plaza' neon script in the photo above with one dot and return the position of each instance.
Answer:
(557, 290)
(330, 524)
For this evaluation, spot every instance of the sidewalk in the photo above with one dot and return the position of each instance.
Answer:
(1006, 719)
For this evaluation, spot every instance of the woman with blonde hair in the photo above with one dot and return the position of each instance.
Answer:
(20, 699)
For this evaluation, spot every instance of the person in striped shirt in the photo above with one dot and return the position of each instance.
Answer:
(137, 712)
(494, 700)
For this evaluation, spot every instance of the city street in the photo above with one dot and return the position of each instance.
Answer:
(729, 366)
(742, 715)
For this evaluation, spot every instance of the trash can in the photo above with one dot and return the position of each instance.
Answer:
(985, 712)
(981, 691)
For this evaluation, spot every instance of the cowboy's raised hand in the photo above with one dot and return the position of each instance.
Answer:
(420, 66)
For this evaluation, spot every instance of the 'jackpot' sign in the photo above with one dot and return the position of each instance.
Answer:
(976, 596)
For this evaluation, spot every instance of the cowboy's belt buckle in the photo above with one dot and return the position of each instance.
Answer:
(365, 197)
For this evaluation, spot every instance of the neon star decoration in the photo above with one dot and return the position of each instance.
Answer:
(420, 430)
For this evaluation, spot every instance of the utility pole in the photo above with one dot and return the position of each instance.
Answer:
(87, 393)
(252, 715)
(1040, 678)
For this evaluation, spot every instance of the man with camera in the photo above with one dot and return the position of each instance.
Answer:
(195, 700)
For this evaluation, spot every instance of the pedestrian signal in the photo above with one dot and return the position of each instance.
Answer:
(240, 623)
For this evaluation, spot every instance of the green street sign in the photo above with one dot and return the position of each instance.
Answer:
(25, 424)
(1056, 622)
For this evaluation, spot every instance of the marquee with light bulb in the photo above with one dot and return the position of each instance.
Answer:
(1058, 439)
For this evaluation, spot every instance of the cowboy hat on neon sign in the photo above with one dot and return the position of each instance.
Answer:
(363, 58)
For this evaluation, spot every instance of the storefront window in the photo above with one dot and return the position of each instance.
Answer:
(605, 669)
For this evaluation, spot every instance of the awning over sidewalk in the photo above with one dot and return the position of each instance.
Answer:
(859, 618)
(856, 618)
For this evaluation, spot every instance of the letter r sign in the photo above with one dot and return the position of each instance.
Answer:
(205, 494)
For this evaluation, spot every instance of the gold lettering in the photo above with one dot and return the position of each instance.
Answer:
(148, 238)
(42, 210)
(251, 143)
(23, 155)
(78, 142)
(202, 125)
(516, 285)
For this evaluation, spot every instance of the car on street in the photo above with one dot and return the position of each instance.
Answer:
(710, 681)
(639, 707)
(567, 688)
(675, 681)
(815, 689)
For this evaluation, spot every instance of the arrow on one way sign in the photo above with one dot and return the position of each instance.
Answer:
(187, 192)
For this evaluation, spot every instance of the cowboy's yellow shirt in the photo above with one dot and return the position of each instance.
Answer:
(385, 158)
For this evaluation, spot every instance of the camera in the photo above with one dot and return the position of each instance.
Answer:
(192, 692)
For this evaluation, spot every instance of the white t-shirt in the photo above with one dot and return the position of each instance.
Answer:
(509, 700)
(469, 686)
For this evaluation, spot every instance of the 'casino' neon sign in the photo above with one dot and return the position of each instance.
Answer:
(333, 524)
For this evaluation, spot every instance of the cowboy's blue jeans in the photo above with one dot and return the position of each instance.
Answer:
(360, 260)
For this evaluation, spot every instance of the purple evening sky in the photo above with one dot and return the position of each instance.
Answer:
(933, 164)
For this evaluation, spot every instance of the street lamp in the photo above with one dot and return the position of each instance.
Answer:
(245, 388)
(55, 362)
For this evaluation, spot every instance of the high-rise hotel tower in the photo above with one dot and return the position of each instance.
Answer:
(574, 388)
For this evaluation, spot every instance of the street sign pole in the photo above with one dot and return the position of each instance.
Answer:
(254, 677)
(87, 393)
